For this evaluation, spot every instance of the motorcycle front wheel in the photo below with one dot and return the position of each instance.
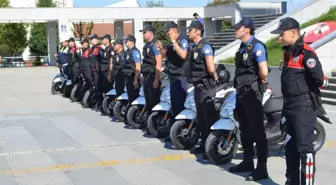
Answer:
(86, 99)
(106, 105)
(157, 125)
(56, 87)
(117, 110)
(183, 137)
(218, 149)
(133, 116)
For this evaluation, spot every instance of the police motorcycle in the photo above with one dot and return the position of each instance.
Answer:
(137, 114)
(78, 90)
(183, 132)
(109, 101)
(120, 106)
(60, 81)
(222, 143)
(160, 120)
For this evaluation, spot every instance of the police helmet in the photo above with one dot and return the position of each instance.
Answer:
(223, 76)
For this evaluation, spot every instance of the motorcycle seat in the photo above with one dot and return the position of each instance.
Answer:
(272, 105)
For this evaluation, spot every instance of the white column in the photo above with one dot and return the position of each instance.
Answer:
(119, 29)
(138, 25)
(64, 29)
(52, 43)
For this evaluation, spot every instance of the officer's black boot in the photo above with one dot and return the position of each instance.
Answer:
(244, 166)
(259, 173)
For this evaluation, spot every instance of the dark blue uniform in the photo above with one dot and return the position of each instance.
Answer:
(178, 79)
(249, 100)
(148, 70)
(132, 56)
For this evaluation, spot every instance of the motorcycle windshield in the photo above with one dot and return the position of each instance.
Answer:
(229, 105)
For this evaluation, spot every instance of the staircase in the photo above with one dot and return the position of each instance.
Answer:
(222, 38)
(329, 93)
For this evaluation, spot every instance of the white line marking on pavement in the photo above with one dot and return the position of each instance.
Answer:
(80, 148)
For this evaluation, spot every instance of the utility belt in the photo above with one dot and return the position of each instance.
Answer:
(256, 86)
(205, 83)
(310, 97)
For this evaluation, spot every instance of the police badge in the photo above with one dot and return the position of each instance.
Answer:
(117, 59)
(127, 57)
(147, 50)
(195, 55)
(245, 56)
(112, 53)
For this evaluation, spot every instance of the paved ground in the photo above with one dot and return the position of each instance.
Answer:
(45, 139)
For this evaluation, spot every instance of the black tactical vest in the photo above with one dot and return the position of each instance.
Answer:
(129, 66)
(176, 65)
(148, 61)
(118, 62)
(107, 55)
(198, 69)
(247, 69)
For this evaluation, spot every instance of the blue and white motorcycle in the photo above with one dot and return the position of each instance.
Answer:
(60, 82)
(109, 101)
(160, 120)
(183, 133)
(120, 106)
(222, 143)
(136, 112)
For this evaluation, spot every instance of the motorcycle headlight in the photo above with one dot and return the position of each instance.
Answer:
(141, 93)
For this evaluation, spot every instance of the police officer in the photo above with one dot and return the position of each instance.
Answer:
(250, 82)
(301, 78)
(151, 69)
(73, 60)
(177, 56)
(117, 64)
(203, 76)
(85, 63)
(131, 68)
(62, 58)
(97, 54)
(103, 84)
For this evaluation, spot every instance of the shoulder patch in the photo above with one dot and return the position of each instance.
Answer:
(311, 62)
(258, 53)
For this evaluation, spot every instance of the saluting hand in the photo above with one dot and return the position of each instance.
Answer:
(173, 36)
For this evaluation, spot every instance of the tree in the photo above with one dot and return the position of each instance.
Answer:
(82, 30)
(158, 25)
(38, 42)
(13, 37)
(221, 2)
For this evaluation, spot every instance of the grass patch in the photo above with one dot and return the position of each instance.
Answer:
(275, 48)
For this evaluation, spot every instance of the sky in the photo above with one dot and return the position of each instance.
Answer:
(291, 4)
